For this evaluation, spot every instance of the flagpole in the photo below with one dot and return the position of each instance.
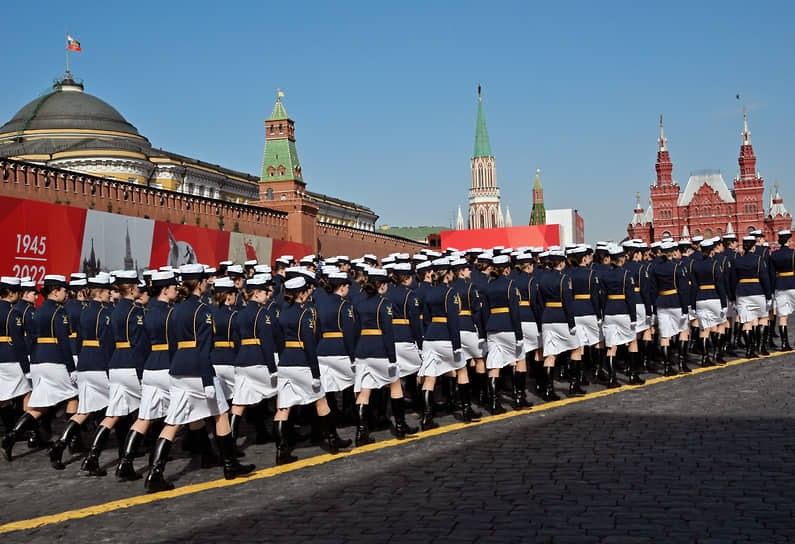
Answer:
(67, 51)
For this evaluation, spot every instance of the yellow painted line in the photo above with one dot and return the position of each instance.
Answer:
(322, 459)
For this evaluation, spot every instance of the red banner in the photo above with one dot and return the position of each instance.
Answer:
(175, 245)
(38, 238)
(530, 236)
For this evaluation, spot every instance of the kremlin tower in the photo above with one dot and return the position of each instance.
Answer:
(538, 215)
(484, 195)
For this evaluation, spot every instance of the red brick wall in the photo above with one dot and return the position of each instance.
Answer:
(336, 240)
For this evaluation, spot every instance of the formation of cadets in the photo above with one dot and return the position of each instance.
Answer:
(205, 348)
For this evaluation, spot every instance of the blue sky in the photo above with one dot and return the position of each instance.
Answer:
(385, 95)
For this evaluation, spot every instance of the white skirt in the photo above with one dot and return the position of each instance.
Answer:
(295, 386)
(618, 330)
(671, 322)
(254, 384)
(51, 384)
(336, 372)
(503, 349)
(226, 375)
(588, 331)
(408, 357)
(709, 313)
(125, 392)
(557, 338)
(13, 382)
(188, 403)
(785, 302)
(93, 387)
(155, 395)
(472, 345)
(438, 358)
(374, 373)
(751, 307)
(530, 336)
(643, 322)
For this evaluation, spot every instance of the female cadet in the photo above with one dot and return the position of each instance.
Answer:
(13, 353)
(155, 383)
(665, 279)
(51, 363)
(337, 345)
(226, 338)
(588, 313)
(751, 284)
(529, 312)
(26, 307)
(782, 263)
(92, 364)
(195, 392)
(255, 365)
(441, 348)
(504, 335)
(620, 316)
(376, 361)
(299, 372)
(558, 330)
(125, 369)
(407, 326)
(642, 299)
(709, 300)
(471, 325)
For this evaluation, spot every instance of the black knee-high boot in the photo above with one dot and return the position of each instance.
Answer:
(232, 467)
(91, 463)
(718, 347)
(549, 391)
(58, 447)
(8, 415)
(784, 333)
(283, 454)
(155, 481)
(771, 335)
(601, 374)
(520, 390)
(234, 424)
(363, 426)
(480, 389)
(763, 340)
(401, 428)
(706, 359)
(585, 364)
(749, 339)
(612, 383)
(427, 421)
(24, 423)
(467, 412)
(349, 405)
(329, 431)
(740, 338)
(759, 341)
(636, 365)
(125, 471)
(683, 368)
(540, 377)
(574, 379)
(668, 369)
(494, 399)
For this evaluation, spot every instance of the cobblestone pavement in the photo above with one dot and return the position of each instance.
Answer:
(702, 458)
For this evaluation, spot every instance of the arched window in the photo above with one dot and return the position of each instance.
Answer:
(281, 128)
(720, 232)
(708, 233)
(269, 194)
(751, 229)
(273, 129)
(482, 221)
(698, 232)
(666, 234)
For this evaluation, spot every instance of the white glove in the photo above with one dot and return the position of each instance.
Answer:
(74, 358)
(599, 323)
(73, 376)
(209, 391)
(316, 385)
(457, 352)
(573, 330)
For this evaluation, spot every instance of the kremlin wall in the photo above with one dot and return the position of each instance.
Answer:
(73, 150)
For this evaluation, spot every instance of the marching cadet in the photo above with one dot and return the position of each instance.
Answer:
(154, 383)
(51, 361)
(709, 300)
(504, 335)
(376, 361)
(642, 299)
(226, 338)
(782, 263)
(299, 380)
(558, 328)
(14, 363)
(751, 287)
(666, 278)
(441, 348)
(195, 392)
(125, 369)
(529, 312)
(620, 317)
(588, 312)
(407, 327)
(92, 364)
(236, 274)
(212, 275)
(733, 325)
(26, 307)
(255, 365)
(76, 303)
(472, 326)
(248, 268)
(337, 345)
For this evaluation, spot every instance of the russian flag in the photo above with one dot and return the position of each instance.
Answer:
(72, 44)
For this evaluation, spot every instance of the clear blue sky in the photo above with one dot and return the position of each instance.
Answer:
(384, 96)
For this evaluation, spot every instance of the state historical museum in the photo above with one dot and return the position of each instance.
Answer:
(707, 207)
